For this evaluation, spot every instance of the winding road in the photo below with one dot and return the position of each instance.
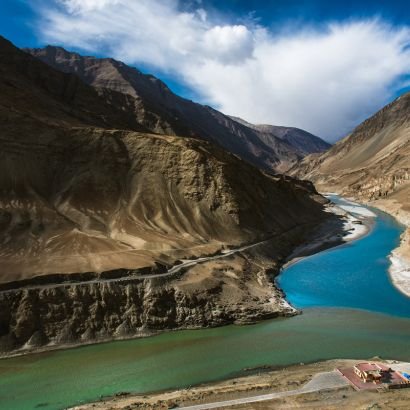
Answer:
(172, 271)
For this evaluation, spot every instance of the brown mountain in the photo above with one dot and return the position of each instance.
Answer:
(372, 162)
(305, 142)
(90, 205)
(161, 111)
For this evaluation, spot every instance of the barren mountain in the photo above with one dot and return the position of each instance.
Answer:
(91, 208)
(161, 111)
(372, 162)
(305, 142)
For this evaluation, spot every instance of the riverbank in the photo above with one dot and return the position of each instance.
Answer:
(396, 205)
(315, 385)
(400, 257)
(358, 314)
(330, 234)
(177, 360)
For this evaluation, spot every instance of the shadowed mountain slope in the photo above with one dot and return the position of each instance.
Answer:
(81, 190)
(161, 111)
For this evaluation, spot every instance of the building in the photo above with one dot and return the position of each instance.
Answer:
(372, 372)
(374, 376)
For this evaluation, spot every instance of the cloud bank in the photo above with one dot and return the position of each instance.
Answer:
(325, 80)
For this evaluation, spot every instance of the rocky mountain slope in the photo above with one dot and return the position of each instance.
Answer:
(305, 142)
(90, 205)
(372, 164)
(161, 111)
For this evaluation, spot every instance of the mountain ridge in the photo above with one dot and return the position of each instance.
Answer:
(306, 142)
(158, 109)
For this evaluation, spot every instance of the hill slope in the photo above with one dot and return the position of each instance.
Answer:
(372, 162)
(161, 111)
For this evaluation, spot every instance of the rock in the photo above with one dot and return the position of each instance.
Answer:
(37, 339)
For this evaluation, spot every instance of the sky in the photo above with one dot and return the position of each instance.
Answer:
(320, 65)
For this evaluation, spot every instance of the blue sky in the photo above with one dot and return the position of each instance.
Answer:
(320, 65)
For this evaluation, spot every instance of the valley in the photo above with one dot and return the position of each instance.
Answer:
(345, 316)
(174, 231)
(371, 165)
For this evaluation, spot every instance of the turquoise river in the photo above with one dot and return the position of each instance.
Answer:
(350, 310)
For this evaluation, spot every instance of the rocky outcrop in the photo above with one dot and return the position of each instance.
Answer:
(61, 315)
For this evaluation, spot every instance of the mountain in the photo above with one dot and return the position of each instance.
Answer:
(93, 211)
(161, 111)
(372, 164)
(305, 142)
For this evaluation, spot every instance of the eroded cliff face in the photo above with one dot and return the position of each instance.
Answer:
(238, 290)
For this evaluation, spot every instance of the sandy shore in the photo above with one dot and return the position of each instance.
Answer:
(400, 272)
(400, 258)
(266, 381)
(357, 222)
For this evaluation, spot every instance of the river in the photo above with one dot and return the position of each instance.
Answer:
(350, 310)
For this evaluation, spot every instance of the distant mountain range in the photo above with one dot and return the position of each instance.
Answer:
(159, 110)
(305, 142)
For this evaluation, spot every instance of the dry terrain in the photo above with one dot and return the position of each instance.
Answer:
(331, 394)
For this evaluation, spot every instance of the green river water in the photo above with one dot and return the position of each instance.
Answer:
(345, 329)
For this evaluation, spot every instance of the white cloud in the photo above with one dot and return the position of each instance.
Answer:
(325, 80)
(228, 44)
(81, 6)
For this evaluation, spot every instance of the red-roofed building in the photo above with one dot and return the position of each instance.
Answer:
(371, 372)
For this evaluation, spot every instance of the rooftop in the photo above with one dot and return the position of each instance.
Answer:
(371, 367)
